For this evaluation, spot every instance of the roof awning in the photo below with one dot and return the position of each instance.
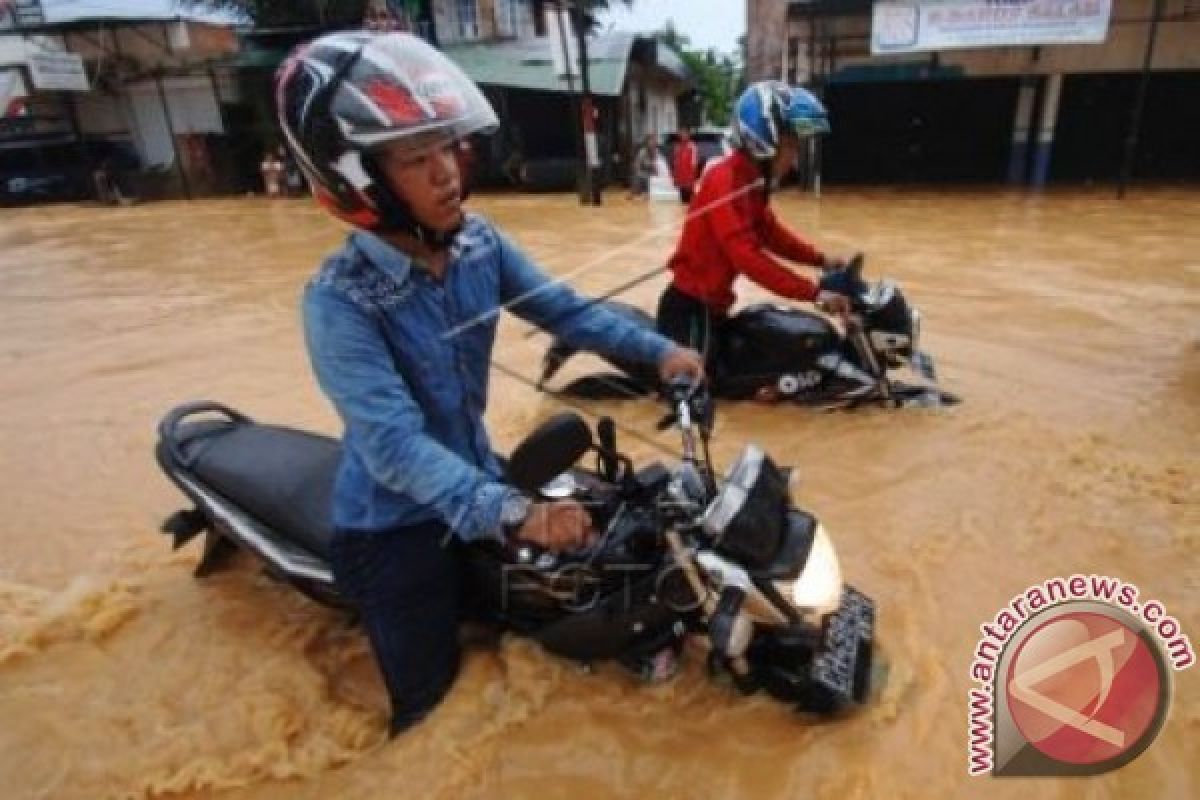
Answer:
(74, 14)
(528, 65)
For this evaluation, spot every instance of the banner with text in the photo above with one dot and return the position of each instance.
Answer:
(910, 26)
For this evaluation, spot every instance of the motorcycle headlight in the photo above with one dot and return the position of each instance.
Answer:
(818, 589)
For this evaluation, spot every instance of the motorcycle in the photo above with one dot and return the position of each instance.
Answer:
(731, 563)
(771, 353)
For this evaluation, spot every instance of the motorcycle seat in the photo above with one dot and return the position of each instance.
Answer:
(281, 476)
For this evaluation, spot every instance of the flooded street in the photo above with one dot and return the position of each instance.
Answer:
(1069, 323)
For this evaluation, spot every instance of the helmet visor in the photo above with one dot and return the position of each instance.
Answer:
(810, 126)
(403, 93)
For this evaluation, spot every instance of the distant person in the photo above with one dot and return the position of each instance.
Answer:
(645, 167)
(737, 233)
(271, 169)
(684, 166)
(105, 182)
(293, 179)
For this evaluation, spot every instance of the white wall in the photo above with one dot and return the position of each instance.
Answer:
(12, 50)
(16, 49)
(193, 109)
(660, 115)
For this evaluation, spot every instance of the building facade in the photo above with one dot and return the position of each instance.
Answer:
(134, 89)
(1022, 113)
(507, 46)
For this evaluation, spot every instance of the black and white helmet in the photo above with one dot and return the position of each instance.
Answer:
(343, 95)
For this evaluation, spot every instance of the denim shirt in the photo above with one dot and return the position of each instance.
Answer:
(404, 357)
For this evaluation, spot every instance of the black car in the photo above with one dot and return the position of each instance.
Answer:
(62, 171)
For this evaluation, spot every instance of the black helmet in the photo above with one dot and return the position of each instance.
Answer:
(343, 95)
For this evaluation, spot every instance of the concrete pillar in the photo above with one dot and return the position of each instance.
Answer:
(1018, 156)
(1046, 125)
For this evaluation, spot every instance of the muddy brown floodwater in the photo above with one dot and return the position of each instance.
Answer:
(1068, 321)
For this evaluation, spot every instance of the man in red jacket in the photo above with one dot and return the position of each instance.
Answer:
(683, 166)
(730, 229)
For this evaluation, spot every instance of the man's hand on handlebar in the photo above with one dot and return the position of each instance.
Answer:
(832, 302)
(557, 525)
(681, 362)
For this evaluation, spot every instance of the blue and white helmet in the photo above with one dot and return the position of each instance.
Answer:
(768, 109)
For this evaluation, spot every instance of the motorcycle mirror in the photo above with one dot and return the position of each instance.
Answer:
(606, 430)
(696, 395)
(856, 264)
(680, 388)
(550, 450)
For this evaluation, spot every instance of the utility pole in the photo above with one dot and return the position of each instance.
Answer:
(1135, 122)
(590, 193)
(573, 102)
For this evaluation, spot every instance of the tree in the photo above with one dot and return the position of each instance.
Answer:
(718, 75)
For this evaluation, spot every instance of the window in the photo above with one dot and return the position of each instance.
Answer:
(508, 17)
(468, 18)
(539, 17)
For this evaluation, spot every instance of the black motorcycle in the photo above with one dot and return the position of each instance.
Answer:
(785, 354)
(732, 562)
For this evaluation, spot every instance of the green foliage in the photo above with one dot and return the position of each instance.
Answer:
(719, 76)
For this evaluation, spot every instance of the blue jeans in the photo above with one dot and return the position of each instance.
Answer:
(407, 586)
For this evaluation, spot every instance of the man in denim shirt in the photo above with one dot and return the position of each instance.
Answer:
(400, 325)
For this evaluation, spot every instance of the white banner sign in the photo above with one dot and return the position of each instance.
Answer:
(58, 72)
(910, 26)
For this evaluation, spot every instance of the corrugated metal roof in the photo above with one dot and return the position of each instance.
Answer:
(60, 12)
(670, 60)
(528, 64)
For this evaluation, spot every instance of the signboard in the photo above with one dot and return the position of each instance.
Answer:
(911, 26)
(58, 72)
(20, 14)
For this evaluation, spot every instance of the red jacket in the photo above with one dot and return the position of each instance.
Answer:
(683, 167)
(731, 231)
